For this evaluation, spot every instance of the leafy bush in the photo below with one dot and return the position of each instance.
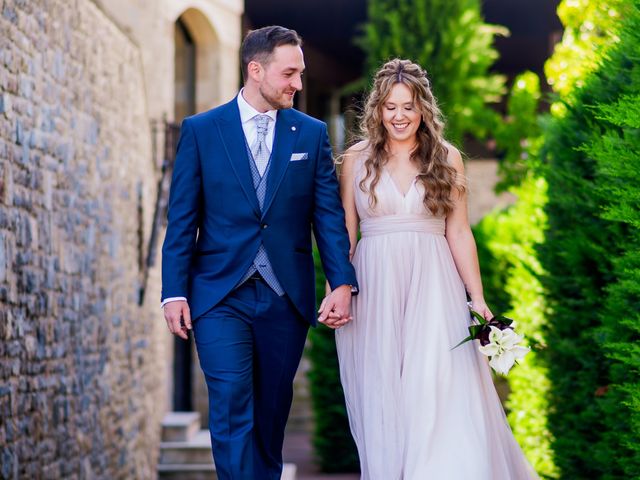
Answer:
(575, 403)
(512, 270)
(518, 135)
(613, 112)
(591, 247)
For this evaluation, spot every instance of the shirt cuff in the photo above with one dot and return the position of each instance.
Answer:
(172, 299)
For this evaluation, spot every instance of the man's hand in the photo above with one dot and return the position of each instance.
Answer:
(178, 317)
(335, 310)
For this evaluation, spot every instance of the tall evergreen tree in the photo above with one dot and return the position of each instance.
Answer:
(587, 256)
(588, 351)
(451, 41)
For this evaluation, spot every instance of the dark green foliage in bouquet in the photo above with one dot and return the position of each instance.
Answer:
(450, 40)
(332, 441)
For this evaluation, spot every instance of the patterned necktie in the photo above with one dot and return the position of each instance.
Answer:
(259, 148)
(259, 164)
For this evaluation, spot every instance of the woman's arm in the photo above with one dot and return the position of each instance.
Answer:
(346, 178)
(347, 194)
(462, 244)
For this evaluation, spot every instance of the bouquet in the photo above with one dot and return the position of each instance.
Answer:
(498, 341)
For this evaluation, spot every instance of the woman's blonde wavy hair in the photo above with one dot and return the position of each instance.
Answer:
(430, 154)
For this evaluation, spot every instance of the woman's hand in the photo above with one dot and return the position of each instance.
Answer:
(480, 306)
(334, 311)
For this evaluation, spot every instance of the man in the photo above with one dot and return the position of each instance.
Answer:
(250, 180)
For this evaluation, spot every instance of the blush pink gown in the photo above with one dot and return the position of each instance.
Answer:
(417, 409)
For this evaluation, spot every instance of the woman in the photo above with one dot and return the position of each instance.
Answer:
(417, 409)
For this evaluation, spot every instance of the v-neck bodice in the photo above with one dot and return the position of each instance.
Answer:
(390, 200)
(404, 195)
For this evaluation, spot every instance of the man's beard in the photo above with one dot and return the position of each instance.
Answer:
(276, 103)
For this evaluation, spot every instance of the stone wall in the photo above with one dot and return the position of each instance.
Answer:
(216, 29)
(82, 384)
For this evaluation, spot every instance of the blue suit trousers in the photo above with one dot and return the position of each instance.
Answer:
(249, 346)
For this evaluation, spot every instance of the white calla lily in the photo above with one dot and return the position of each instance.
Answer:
(503, 349)
(495, 335)
(502, 345)
(503, 362)
(520, 351)
(489, 349)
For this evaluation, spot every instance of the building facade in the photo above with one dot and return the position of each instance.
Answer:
(86, 90)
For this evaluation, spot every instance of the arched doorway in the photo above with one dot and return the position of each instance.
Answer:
(195, 90)
(184, 105)
(185, 72)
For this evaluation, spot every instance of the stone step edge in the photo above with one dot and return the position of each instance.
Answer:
(183, 446)
(180, 419)
(179, 426)
(289, 469)
(186, 467)
(198, 440)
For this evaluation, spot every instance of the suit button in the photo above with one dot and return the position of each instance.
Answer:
(264, 225)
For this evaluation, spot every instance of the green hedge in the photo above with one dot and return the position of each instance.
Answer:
(507, 241)
(590, 255)
(617, 153)
(512, 269)
(575, 401)
(610, 109)
(332, 441)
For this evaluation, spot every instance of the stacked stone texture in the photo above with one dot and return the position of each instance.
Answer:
(80, 386)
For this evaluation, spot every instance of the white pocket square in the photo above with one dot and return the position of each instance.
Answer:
(296, 157)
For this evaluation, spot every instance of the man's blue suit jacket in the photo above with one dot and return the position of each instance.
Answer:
(215, 223)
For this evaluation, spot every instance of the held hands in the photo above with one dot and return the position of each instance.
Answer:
(335, 309)
(178, 317)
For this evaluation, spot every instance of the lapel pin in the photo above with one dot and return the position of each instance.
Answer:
(293, 129)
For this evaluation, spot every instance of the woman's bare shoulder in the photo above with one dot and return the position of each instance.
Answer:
(454, 157)
(356, 153)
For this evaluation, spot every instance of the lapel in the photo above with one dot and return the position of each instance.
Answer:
(287, 130)
(234, 143)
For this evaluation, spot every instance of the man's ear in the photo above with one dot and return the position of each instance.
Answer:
(255, 71)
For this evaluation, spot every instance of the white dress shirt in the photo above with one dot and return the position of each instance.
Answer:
(249, 127)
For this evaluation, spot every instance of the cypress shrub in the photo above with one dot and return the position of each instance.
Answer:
(578, 293)
(575, 256)
(332, 441)
(614, 145)
(582, 255)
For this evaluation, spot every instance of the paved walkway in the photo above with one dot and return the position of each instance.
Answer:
(298, 450)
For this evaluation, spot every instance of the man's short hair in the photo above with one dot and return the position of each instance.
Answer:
(259, 44)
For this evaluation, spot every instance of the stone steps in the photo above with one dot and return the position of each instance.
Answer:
(185, 450)
(180, 426)
(196, 450)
